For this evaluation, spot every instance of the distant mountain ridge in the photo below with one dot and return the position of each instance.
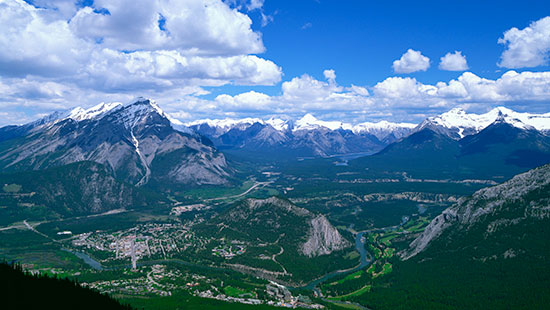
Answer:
(307, 136)
(495, 145)
(458, 124)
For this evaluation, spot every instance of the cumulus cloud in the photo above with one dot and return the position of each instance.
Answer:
(529, 47)
(193, 27)
(308, 88)
(396, 98)
(411, 61)
(453, 62)
(255, 4)
(117, 47)
(330, 75)
(245, 102)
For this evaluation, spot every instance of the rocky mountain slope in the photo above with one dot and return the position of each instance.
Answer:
(488, 251)
(138, 142)
(493, 212)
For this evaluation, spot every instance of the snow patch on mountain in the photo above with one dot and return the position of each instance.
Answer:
(310, 122)
(462, 124)
(383, 128)
(80, 114)
(98, 111)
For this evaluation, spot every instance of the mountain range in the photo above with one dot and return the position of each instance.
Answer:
(495, 145)
(306, 136)
(309, 136)
(140, 144)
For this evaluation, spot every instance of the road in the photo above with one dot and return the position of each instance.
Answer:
(27, 225)
(30, 227)
(243, 193)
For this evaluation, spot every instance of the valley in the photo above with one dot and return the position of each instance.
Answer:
(181, 220)
(176, 254)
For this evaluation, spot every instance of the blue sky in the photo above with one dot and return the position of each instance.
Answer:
(361, 39)
(346, 60)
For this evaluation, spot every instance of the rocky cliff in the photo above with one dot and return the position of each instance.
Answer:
(323, 238)
(492, 211)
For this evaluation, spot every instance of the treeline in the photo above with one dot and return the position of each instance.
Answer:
(22, 290)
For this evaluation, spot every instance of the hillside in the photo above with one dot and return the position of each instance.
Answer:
(281, 240)
(489, 251)
(82, 188)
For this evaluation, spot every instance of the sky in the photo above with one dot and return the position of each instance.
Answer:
(351, 61)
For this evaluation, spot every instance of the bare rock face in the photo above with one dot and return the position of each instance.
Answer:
(137, 142)
(524, 197)
(323, 238)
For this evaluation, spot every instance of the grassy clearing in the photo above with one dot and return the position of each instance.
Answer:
(351, 276)
(387, 268)
(352, 255)
(419, 227)
(387, 239)
(234, 291)
(371, 269)
(346, 306)
(12, 188)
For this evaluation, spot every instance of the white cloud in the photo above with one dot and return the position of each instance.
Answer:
(402, 88)
(307, 88)
(246, 101)
(212, 48)
(330, 75)
(411, 61)
(207, 27)
(529, 47)
(307, 26)
(403, 98)
(453, 62)
(255, 4)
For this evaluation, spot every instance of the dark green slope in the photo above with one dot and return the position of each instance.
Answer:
(417, 155)
(77, 189)
(498, 152)
(491, 251)
(19, 290)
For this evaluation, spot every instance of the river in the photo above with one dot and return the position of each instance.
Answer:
(365, 260)
(87, 259)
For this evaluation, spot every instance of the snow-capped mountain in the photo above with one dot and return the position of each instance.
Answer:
(137, 141)
(385, 131)
(455, 144)
(458, 124)
(307, 136)
(309, 122)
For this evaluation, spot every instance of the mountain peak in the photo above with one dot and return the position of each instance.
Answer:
(145, 103)
(308, 122)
